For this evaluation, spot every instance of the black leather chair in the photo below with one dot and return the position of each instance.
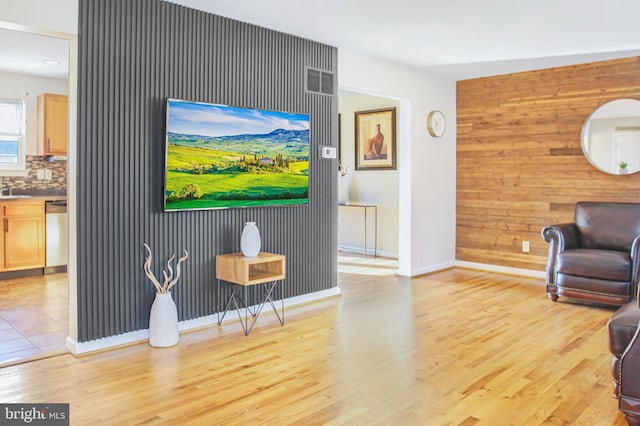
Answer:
(624, 345)
(595, 258)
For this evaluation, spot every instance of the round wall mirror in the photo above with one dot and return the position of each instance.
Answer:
(611, 137)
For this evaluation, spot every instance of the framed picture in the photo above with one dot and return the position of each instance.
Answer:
(376, 139)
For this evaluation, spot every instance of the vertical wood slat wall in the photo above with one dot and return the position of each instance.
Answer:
(519, 160)
(132, 56)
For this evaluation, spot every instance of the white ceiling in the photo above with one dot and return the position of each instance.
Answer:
(459, 39)
(24, 53)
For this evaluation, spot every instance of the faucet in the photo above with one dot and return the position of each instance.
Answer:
(4, 189)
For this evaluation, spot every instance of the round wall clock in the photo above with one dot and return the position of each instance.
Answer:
(436, 123)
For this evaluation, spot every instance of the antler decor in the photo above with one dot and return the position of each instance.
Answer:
(169, 280)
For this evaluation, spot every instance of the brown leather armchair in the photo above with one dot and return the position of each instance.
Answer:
(624, 344)
(596, 257)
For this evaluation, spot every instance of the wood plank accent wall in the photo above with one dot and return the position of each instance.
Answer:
(519, 159)
(133, 55)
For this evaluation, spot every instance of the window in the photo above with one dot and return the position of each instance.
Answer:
(12, 143)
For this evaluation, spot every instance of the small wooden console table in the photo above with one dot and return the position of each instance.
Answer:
(241, 272)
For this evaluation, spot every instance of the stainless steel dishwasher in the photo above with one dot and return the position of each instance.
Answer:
(57, 246)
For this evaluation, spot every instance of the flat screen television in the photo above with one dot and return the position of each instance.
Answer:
(222, 156)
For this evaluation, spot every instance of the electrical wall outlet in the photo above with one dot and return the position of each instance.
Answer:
(40, 174)
(48, 175)
(525, 246)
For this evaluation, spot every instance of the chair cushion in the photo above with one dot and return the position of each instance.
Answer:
(622, 327)
(594, 263)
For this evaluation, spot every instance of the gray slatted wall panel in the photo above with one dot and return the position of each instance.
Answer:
(134, 55)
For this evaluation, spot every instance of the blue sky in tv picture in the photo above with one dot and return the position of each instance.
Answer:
(220, 156)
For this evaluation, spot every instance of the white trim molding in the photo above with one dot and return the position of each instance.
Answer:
(500, 269)
(478, 266)
(370, 251)
(429, 269)
(138, 336)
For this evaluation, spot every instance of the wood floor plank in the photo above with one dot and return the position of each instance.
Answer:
(455, 347)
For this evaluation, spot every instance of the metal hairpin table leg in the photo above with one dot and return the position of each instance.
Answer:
(239, 302)
(230, 299)
(268, 289)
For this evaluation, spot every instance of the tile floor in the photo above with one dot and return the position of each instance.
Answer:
(33, 317)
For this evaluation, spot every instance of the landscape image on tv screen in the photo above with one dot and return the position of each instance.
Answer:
(220, 156)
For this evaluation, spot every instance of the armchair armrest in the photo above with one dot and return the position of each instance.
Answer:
(629, 377)
(635, 264)
(560, 237)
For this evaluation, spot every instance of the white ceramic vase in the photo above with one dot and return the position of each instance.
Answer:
(250, 240)
(163, 321)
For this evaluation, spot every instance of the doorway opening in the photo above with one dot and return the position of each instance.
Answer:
(36, 308)
(372, 202)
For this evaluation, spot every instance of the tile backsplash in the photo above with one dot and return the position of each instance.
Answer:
(58, 179)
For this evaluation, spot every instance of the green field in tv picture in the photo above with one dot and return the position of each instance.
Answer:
(206, 173)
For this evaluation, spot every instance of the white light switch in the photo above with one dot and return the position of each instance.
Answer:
(329, 152)
(40, 174)
(47, 174)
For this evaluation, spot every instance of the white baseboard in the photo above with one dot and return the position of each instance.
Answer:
(138, 336)
(431, 268)
(500, 269)
(370, 251)
(479, 266)
(78, 348)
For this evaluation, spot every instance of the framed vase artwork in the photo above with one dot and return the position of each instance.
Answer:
(376, 139)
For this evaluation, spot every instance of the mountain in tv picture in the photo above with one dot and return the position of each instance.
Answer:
(294, 143)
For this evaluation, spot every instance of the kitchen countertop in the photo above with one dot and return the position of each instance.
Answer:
(47, 195)
(6, 198)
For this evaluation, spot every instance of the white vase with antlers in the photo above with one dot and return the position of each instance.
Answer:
(163, 320)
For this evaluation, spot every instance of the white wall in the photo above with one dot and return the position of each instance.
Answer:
(376, 187)
(27, 88)
(427, 178)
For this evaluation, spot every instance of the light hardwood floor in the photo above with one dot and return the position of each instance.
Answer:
(456, 347)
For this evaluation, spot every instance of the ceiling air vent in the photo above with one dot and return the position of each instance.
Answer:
(318, 81)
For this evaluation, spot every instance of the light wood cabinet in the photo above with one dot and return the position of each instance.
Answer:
(52, 124)
(23, 236)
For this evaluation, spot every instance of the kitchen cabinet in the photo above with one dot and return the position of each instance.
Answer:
(52, 124)
(23, 236)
